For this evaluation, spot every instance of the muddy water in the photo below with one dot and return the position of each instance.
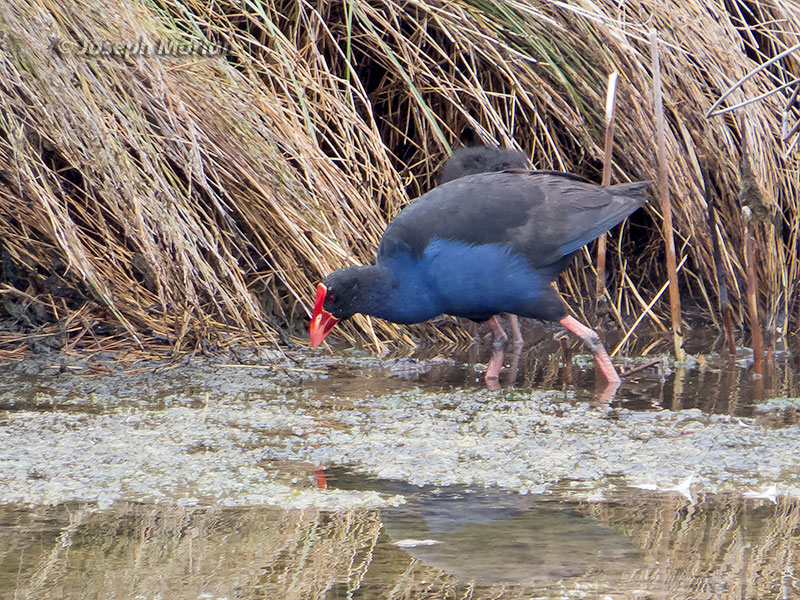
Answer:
(346, 476)
(443, 543)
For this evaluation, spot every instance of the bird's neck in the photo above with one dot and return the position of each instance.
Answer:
(398, 293)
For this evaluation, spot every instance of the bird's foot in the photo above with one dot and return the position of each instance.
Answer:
(605, 397)
(493, 385)
(492, 377)
(593, 341)
(606, 367)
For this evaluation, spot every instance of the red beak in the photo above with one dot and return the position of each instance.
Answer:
(321, 321)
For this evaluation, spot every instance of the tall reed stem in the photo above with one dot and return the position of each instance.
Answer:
(666, 206)
(608, 151)
(719, 269)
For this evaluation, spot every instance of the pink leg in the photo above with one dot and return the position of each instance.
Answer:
(513, 320)
(566, 354)
(513, 364)
(500, 336)
(593, 341)
(496, 362)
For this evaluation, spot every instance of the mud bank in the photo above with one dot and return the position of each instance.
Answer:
(220, 434)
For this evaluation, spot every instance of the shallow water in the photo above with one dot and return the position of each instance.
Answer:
(346, 476)
(443, 543)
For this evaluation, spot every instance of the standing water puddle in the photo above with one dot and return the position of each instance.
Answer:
(443, 543)
(352, 477)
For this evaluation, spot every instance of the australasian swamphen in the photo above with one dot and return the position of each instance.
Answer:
(478, 246)
(471, 160)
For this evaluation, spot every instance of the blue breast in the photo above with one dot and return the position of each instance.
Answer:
(464, 280)
(480, 281)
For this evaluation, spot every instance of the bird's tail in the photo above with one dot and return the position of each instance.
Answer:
(636, 190)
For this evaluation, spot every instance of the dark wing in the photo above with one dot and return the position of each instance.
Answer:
(543, 216)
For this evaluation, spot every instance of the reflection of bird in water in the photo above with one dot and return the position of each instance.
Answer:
(492, 536)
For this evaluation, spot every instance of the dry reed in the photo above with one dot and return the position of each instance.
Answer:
(183, 202)
(608, 147)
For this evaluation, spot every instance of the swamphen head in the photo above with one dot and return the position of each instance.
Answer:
(342, 294)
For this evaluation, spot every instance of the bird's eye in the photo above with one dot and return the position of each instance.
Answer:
(331, 298)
